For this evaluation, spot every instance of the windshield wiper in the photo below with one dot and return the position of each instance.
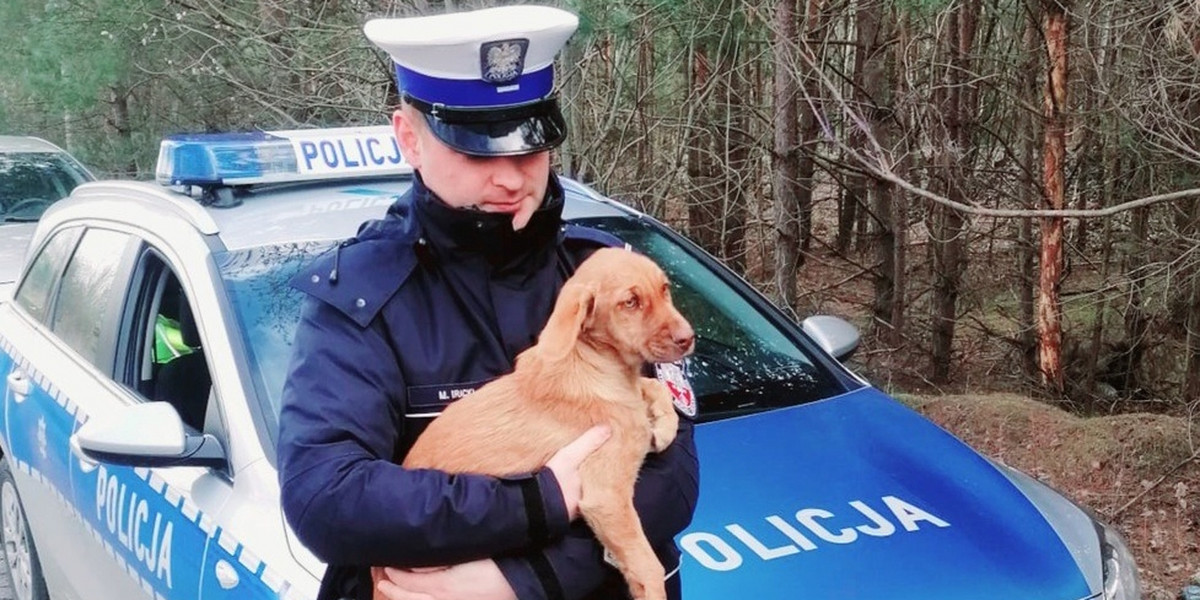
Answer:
(16, 219)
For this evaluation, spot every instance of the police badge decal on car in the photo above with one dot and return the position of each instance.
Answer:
(682, 395)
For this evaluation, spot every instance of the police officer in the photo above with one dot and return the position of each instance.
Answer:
(431, 302)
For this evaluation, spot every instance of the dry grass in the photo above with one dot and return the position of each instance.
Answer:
(1141, 472)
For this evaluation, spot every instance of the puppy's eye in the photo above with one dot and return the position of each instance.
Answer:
(632, 303)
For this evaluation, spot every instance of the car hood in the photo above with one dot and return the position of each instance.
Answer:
(860, 497)
(14, 239)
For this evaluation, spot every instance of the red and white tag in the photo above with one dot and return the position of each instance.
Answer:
(681, 391)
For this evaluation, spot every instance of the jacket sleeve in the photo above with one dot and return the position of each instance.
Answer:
(342, 495)
(570, 568)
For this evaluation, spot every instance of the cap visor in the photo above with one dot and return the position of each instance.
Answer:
(502, 138)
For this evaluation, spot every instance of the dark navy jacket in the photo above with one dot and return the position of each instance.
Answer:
(420, 307)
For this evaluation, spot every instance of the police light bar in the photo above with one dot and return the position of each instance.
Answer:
(227, 159)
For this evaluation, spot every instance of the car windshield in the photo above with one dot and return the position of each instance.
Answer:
(744, 361)
(31, 181)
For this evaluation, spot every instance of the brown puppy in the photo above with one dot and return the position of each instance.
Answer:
(613, 316)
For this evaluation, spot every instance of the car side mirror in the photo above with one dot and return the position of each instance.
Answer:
(148, 434)
(834, 335)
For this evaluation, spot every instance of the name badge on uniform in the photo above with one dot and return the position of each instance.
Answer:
(673, 376)
(427, 401)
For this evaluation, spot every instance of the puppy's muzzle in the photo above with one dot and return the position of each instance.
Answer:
(675, 341)
(684, 338)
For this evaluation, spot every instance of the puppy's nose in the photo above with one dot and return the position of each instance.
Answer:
(684, 337)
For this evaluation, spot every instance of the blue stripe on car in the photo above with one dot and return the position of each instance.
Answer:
(134, 486)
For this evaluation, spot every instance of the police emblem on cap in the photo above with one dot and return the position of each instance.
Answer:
(502, 62)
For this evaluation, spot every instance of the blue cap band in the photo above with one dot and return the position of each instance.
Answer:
(476, 92)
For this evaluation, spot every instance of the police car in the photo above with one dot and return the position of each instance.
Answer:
(143, 357)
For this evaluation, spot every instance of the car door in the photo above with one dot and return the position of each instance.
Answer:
(59, 342)
(151, 525)
(245, 557)
(31, 415)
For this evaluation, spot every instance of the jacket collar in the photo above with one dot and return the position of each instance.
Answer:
(456, 232)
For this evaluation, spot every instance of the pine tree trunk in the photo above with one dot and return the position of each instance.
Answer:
(849, 203)
(1049, 318)
(785, 166)
(118, 122)
(739, 172)
(571, 93)
(1136, 320)
(1191, 379)
(899, 197)
(644, 101)
(1026, 253)
(1092, 364)
(854, 188)
(874, 100)
(704, 205)
(809, 126)
(950, 257)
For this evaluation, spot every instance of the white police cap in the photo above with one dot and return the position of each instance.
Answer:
(484, 79)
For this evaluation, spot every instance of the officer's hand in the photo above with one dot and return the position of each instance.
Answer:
(565, 464)
(478, 580)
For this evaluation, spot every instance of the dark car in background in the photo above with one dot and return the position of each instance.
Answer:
(33, 175)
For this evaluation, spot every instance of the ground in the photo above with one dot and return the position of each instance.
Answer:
(1140, 472)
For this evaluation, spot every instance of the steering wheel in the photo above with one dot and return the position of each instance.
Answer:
(29, 205)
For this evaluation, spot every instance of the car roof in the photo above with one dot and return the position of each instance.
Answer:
(23, 143)
(274, 214)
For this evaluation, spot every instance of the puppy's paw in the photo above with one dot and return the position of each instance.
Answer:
(663, 428)
(660, 409)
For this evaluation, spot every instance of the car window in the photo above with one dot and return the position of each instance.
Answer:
(162, 357)
(743, 362)
(89, 293)
(31, 181)
(267, 309)
(35, 290)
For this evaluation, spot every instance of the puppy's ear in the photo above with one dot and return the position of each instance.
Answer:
(572, 312)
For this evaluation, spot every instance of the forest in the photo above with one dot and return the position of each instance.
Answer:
(1001, 194)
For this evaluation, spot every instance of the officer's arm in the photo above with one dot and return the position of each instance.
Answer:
(571, 568)
(344, 498)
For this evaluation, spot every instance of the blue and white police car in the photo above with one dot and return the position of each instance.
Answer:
(143, 357)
